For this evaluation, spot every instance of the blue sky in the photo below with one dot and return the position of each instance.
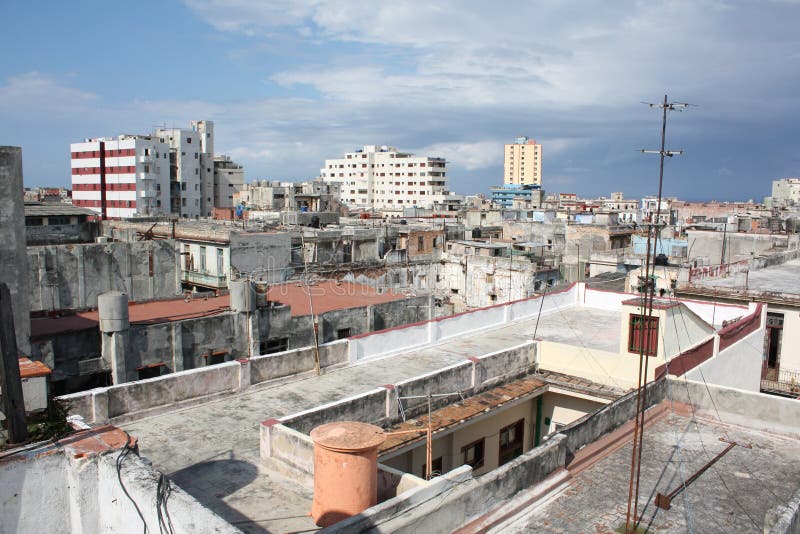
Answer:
(290, 83)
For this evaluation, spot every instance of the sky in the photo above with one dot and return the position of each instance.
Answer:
(291, 83)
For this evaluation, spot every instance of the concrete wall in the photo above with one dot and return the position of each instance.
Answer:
(770, 413)
(72, 276)
(55, 493)
(136, 399)
(266, 256)
(738, 366)
(454, 499)
(13, 258)
(402, 339)
(62, 234)
(30, 486)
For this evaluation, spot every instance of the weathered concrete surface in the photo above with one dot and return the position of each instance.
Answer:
(72, 276)
(74, 487)
(13, 257)
(784, 519)
(732, 496)
(454, 507)
(194, 442)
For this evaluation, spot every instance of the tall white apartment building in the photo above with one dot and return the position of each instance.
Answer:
(121, 177)
(381, 177)
(786, 192)
(522, 162)
(171, 171)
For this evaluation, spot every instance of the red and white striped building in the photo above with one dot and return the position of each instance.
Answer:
(121, 177)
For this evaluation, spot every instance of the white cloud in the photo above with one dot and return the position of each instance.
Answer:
(35, 94)
(470, 156)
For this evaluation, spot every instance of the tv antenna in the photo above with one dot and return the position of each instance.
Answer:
(646, 332)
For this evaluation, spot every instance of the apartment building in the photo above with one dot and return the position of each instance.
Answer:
(121, 177)
(786, 192)
(381, 177)
(522, 163)
(171, 171)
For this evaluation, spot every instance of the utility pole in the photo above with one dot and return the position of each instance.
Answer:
(13, 400)
(646, 332)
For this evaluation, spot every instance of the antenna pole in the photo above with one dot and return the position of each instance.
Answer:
(645, 324)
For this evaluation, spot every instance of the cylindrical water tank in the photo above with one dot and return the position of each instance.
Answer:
(112, 307)
(345, 470)
(243, 298)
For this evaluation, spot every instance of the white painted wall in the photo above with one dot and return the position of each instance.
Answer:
(738, 366)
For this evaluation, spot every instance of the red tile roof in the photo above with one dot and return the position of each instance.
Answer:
(32, 369)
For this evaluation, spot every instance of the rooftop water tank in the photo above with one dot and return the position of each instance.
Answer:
(112, 309)
(345, 470)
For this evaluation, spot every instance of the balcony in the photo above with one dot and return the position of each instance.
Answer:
(784, 382)
(145, 176)
(144, 193)
(197, 278)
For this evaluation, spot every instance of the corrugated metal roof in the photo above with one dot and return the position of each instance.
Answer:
(458, 412)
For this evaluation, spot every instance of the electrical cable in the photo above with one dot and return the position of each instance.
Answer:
(126, 450)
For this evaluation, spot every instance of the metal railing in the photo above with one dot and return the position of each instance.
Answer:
(786, 381)
(204, 279)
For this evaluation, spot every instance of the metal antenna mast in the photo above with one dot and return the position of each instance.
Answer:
(646, 332)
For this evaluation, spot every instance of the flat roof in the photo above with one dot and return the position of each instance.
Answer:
(776, 279)
(212, 449)
(732, 496)
(328, 296)
(159, 311)
(43, 209)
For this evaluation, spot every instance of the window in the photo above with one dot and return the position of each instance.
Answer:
(150, 371)
(436, 467)
(202, 259)
(420, 243)
(472, 454)
(188, 139)
(58, 219)
(511, 441)
(643, 335)
(216, 357)
(272, 346)
(343, 333)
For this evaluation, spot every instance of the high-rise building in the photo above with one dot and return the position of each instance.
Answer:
(381, 177)
(171, 171)
(121, 177)
(523, 162)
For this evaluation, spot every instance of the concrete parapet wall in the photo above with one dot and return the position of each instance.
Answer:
(295, 452)
(369, 407)
(135, 397)
(592, 426)
(784, 519)
(418, 335)
(54, 491)
(143, 397)
(454, 499)
(380, 406)
(760, 411)
(116, 509)
(452, 379)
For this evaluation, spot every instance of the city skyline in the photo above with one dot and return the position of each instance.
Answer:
(290, 84)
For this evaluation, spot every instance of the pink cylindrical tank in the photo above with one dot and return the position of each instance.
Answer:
(345, 470)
